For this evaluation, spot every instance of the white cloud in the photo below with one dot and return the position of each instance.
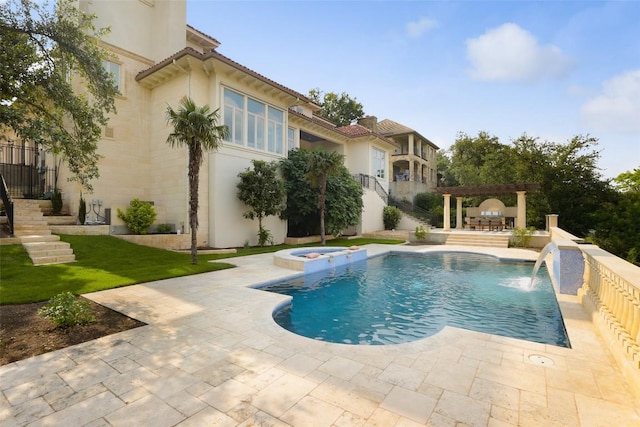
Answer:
(509, 53)
(617, 106)
(418, 28)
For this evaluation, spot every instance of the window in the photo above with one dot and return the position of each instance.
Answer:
(234, 116)
(255, 123)
(378, 163)
(292, 139)
(276, 136)
(252, 123)
(113, 69)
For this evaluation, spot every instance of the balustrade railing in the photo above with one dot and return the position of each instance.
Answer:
(611, 292)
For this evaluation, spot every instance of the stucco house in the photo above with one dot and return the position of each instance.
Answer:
(414, 162)
(158, 59)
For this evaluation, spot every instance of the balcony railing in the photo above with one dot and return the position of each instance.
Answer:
(611, 293)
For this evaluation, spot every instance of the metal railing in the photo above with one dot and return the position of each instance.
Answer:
(7, 203)
(24, 171)
(370, 182)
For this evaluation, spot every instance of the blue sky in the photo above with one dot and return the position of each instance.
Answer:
(550, 69)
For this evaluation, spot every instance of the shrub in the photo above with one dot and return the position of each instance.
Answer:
(82, 211)
(391, 217)
(164, 228)
(264, 237)
(139, 216)
(66, 310)
(421, 232)
(56, 202)
(521, 237)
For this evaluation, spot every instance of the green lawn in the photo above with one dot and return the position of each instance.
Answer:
(105, 262)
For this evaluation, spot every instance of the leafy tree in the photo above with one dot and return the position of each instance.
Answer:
(445, 176)
(343, 198)
(339, 109)
(44, 54)
(628, 181)
(322, 164)
(196, 128)
(263, 192)
(479, 160)
(618, 230)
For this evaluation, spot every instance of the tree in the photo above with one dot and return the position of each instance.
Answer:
(628, 181)
(323, 164)
(196, 128)
(343, 198)
(263, 192)
(339, 109)
(44, 56)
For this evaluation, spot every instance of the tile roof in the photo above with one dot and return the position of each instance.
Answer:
(213, 54)
(389, 127)
(355, 130)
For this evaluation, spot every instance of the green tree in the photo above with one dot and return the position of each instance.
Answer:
(44, 55)
(322, 164)
(339, 109)
(479, 160)
(263, 192)
(196, 128)
(628, 181)
(343, 198)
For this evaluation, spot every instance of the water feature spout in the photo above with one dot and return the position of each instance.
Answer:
(549, 247)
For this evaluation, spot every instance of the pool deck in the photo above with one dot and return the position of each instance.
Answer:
(212, 355)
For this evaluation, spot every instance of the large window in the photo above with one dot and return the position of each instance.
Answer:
(234, 107)
(292, 139)
(113, 69)
(252, 123)
(378, 163)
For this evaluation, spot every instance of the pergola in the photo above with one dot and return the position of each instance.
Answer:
(486, 190)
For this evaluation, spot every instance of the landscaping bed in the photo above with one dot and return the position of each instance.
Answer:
(23, 333)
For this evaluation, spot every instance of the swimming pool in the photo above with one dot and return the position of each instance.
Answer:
(400, 298)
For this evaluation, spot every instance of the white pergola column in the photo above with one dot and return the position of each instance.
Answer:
(458, 213)
(521, 221)
(447, 212)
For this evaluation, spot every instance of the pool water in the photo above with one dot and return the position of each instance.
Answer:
(404, 297)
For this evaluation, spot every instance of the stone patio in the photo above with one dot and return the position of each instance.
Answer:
(212, 355)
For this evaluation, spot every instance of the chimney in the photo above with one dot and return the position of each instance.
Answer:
(370, 122)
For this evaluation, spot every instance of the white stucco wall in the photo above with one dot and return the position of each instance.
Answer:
(228, 227)
(372, 212)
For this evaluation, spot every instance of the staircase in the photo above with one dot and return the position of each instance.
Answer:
(32, 229)
(479, 239)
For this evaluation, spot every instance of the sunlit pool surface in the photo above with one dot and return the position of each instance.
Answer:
(400, 298)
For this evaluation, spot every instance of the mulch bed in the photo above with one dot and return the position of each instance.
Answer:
(23, 333)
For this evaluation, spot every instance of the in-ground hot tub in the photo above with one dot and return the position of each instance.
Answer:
(319, 258)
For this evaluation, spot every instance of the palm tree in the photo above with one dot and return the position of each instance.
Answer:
(197, 128)
(322, 164)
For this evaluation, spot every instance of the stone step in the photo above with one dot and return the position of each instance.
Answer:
(35, 254)
(45, 246)
(499, 241)
(39, 238)
(34, 231)
(56, 259)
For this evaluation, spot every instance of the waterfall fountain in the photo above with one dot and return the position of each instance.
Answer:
(567, 268)
(549, 247)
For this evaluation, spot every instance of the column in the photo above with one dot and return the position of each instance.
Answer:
(447, 212)
(458, 213)
(521, 221)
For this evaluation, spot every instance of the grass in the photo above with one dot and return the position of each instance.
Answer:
(106, 262)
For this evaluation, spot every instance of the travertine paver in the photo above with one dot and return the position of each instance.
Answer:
(212, 355)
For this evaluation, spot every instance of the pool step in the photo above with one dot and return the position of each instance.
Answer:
(479, 239)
